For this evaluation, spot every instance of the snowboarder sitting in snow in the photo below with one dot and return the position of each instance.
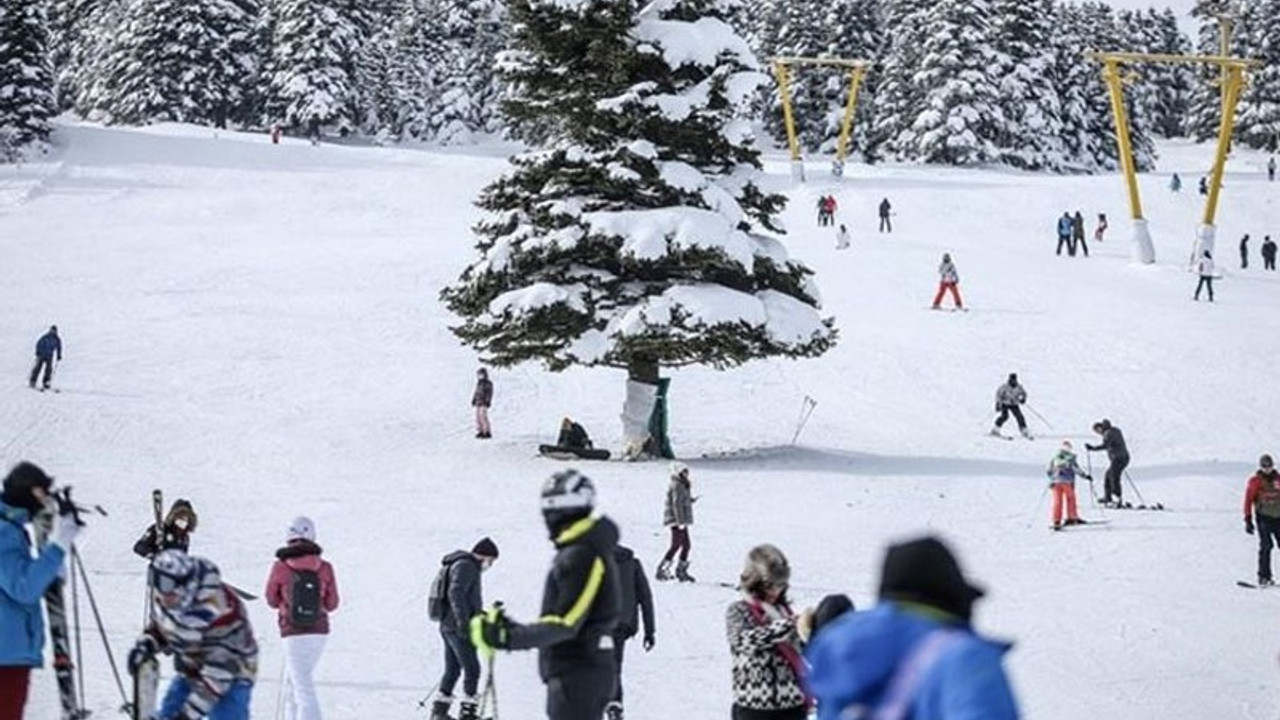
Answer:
(47, 347)
(1262, 506)
(572, 435)
(1117, 454)
(1009, 397)
(1062, 472)
(175, 533)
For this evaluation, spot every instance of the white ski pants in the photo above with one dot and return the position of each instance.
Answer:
(301, 653)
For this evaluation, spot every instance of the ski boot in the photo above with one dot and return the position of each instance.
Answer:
(468, 709)
(440, 708)
(995, 432)
(1025, 433)
(613, 711)
(682, 573)
(664, 571)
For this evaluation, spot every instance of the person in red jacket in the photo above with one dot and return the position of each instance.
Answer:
(303, 591)
(1262, 513)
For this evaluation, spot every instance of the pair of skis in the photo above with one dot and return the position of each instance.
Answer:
(55, 603)
(146, 676)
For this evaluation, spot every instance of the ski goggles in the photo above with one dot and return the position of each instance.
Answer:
(166, 584)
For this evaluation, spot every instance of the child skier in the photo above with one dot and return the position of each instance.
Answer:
(175, 532)
(481, 399)
(677, 514)
(1009, 397)
(1062, 472)
(948, 279)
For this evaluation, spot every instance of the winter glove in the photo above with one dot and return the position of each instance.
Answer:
(649, 642)
(1248, 526)
(143, 650)
(489, 630)
(65, 530)
(1091, 448)
(1087, 477)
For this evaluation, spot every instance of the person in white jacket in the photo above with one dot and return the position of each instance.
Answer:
(948, 279)
(1205, 268)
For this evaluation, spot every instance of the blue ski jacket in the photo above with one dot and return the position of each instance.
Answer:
(23, 580)
(856, 658)
(49, 345)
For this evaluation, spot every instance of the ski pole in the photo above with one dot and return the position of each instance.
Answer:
(280, 694)
(430, 694)
(490, 695)
(1038, 415)
(75, 622)
(97, 618)
(1134, 485)
(806, 410)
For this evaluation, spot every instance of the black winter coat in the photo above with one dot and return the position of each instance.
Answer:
(1113, 443)
(580, 602)
(635, 594)
(462, 590)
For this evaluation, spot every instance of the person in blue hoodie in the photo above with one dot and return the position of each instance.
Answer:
(914, 656)
(23, 580)
(47, 347)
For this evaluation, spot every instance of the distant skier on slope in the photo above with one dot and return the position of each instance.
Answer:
(48, 347)
(948, 280)
(1268, 253)
(1062, 471)
(1205, 269)
(1009, 398)
(1175, 183)
(481, 399)
(842, 238)
(886, 215)
(677, 515)
(1064, 235)
(1262, 514)
(1118, 457)
(1077, 233)
(1244, 252)
(1101, 229)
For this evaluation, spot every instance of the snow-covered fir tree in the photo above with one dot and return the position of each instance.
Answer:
(312, 86)
(853, 32)
(898, 97)
(803, 34)
(181, 60)
(466, 38)
(1258, 116)
(26, 80)
(1170, 83)
(638, 238)
(1205, 107)
(1031, 137)
(960, 119)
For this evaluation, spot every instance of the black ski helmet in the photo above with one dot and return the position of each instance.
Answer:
(1013, 378)
(20, 483)
(567, 496)
(1265, 462)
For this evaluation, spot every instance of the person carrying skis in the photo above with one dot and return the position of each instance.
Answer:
(303, 591)
(580, 605)
(202, 622)
(1009, 398)
(768, 670)
(886, 214)
(915, 655)
(635, 594)
(1118, 458)
(461, 599)
(175, 531)
(1101, 229)
(1064, 235)
(47, 347)
(481, 399)
(24, 578)
(1062, 471)
(1077, 233)
(948, 280)
(1268, 253)
(1205, 270)
(1262, 514)
(677, 515)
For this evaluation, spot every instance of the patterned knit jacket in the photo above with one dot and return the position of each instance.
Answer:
(762, 677)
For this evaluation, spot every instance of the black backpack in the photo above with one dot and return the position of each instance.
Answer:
(438, 598)
(304, 599)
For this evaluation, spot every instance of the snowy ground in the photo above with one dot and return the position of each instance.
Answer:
(255, 327)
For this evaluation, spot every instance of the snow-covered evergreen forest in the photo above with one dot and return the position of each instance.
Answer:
(961, 82)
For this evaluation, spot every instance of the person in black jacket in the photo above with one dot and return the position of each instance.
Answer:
(580, 605)
(1118, 454)
(175, 531)
(48, 347)
(465, 601)
(481, 399)
(1268, 253)
(635, 593)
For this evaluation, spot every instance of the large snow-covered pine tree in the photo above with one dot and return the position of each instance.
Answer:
(803, 34)
(637, 238)
(313, 85)
(1258, 116)
(1031, 137)
(898, 98)
(26, 80)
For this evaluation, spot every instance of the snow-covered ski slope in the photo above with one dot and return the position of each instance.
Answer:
(255, 328)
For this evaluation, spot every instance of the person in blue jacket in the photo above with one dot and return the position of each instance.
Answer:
(47, 347)
(914, 656)
(23, 580)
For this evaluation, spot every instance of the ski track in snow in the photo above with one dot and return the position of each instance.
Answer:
(255, 328)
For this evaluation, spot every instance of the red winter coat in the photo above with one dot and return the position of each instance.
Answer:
(300, 555)
(1263, 494)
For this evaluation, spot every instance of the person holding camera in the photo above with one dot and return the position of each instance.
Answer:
(24, 579)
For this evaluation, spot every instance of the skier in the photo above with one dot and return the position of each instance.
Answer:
(1262, 506)
(1062, 471)
(481, 399)
(768, 670)
(580, 605)
(1204, 185)
(203, 623)
(24, 579)
(1009, 397)
(175, 533)
(1099, 231)
(47, 347)
(886, 225)
(1271, 168)
(462, 599)
(1064, 235)
(1118, 458)
(842, 238)
(635, 594)
(1268, 253)
(918, 641)
(822, 211)
(831, 209)
(948, 280)
(1077, 233)
(1175, 183)
(1244, 252)
(677, 515)
(1205, 269)
(304, 592)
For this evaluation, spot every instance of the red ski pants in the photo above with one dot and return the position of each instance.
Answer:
(13, 691)
(955, 294)
(1064, 492)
